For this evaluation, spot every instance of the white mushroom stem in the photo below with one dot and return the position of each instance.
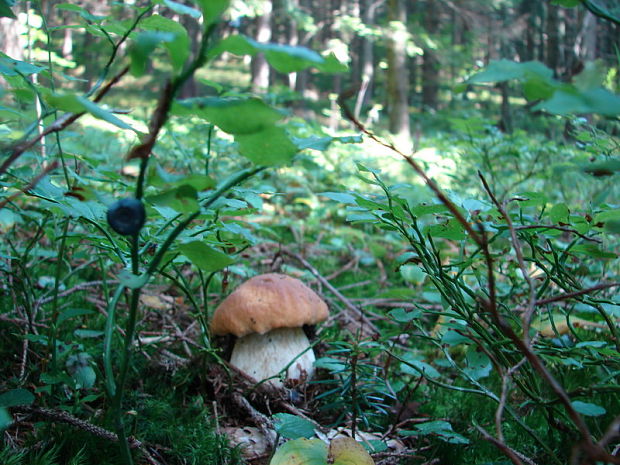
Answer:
(264, 355)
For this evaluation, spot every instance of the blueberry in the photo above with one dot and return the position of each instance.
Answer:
(126, 216)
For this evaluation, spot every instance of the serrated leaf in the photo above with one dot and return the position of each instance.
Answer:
(301, 452)
(16, 397)
(292, 426)
(588, 409)
(205, 257)
(270, 147)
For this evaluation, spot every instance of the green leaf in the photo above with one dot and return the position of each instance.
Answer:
(11, 67)
(401, 315)
(478, 364)
(284, 58)
(413, 274)
(5, 9)
(572, 101)
(450, 230)
(559, 213)
(592, 250)
(292, 426)
(269, 147)
(602, 169)
(301, 452)
(143, 47)
(588, 409)
(504, 70)
(78, 104)
(205, 257)
(6, 419)
(182, 9)
(212, 9)
(182, 199)
(231, 115)
(414, 366)
(87, 333)
(72, 313)
(173, 36)
(340, 197)
(132, 281)
(16, 397)
(441, 429)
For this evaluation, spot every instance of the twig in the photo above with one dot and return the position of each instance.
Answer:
(515, 457)
(559, 228)
(66, 417)
(570, 295)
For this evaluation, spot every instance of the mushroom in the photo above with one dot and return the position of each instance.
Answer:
(267, 314)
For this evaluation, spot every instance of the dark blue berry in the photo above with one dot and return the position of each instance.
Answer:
(126, 216)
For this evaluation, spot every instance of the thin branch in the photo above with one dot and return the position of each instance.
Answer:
(559, 228)
(570, 295)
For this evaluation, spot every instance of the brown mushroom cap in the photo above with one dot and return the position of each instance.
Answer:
(266, 302)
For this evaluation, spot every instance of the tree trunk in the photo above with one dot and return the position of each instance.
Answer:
(397, 73)
(260, 67)
(367, 65)
(430, 63)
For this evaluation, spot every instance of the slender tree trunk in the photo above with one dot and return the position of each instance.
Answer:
(260, 67)
(367, 64)
(430, 63)
(553, 38)
(293, 39)
(397, 73)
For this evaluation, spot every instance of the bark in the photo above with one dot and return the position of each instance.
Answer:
(260, 67)
(397, 73)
